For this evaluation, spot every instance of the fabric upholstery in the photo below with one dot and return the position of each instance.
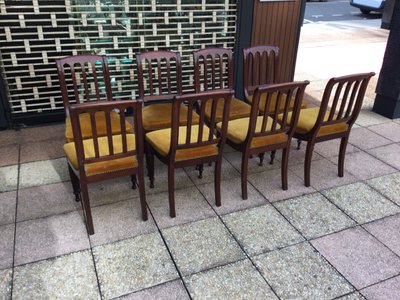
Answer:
(158, 116)
(160, 140)
(100, 118)
(238, 109)
(238, 129)
(273, 103)
(104, 166)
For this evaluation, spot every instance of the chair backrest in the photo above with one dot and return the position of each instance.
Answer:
(213, 69)
(343, 97)
(159, 75)
(196, 103)
(126, 109)
(83, 78)
(285, 93)
(260, 66)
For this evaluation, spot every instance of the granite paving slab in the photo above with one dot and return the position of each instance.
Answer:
(299, 272)
(132, 265)
(9, 154)
(235, 158)
(296, 157)
(8, 178)
(49, 237)
(5, 283)
(313, 215)
(368, 118)
(42, 133)
(201, 245)
(239, 280)
(388, 185)
(352, 296)
(358, 256)
(173, 290)
(386, 290)
(261, 229)
(361, 202)
(9, 137)
(66, 277)
(363, 138)
(389, 130)
(43, 150)
(331, 148)
(390, 154)
(8, 203)
(6, 245)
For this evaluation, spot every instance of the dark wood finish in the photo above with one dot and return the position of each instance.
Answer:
(343, 97)
(196, 103)
(79, 178)
(270, 127)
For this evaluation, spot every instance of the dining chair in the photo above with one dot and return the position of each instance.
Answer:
(108, 156)
(260, 133)
(192, 143)
(333, 119)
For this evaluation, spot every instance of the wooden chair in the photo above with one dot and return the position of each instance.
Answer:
(341, 103)
(85, 78)
(192, 144)
(104, 157)
(260, 133)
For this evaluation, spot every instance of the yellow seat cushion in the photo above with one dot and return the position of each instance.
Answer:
(160, 140)
(307, 119)
(86, 125)
(104, 166)
(238, 109)
(273, 103)
(238, 129)
(158, 116)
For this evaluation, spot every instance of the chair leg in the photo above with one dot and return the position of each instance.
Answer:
(284, 168)
(272, 156)
(142, 194)
(200, 168)
(75, 184)
(133, 180)
(150, 168)
(245, 164)
(298, 144)
(171, 191)
(86, 207)
(217, 181)
(342, 153)
(307, 163)
(261, 157)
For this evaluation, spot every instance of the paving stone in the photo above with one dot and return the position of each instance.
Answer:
(66, 277)
(368, 118)
(6, 245)
(201, 245)
(389, 130)
(8, 178)
(8, 202)
(239, 280)
(331, 148)
(361, 202)
(314, 215)
(43, 150)
(261, 229)
(5, 283)
(390, 154)
(173, 290)
(42, 133)
(388, 185)
(9, 137)
(9, 155)
(352, 296)
(364, 138)
(133, 265)
(296, 157)
(358, 256)
(386, 290)
(235, 158)
(49, 237)
(299, 272)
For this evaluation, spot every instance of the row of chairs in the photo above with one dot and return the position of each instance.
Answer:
(192, 129)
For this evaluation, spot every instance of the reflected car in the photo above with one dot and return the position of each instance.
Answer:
(366, 6)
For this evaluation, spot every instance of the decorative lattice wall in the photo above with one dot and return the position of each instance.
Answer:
(33, 33)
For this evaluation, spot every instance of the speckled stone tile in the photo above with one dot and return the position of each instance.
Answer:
(8, 202)
(49, 237)
(358, 256)
(364, 138)
(352, 296)
(43, 150)
(386, 290)
(388, 185)
(331, 148)
(314, 215)
(231, 196)
(42, 133)
(46, 200)
(173, 290)
(9, 137)
(389, 130)
(9, 155)
(190, 206)
(66, 277)
(299, 272)
(364, 166)
(261, 229)
(361, 202)
(324, 174)
(118, 221)
(6, 245)
(390, 154)
(387, 230)
(132, 265)
(235, 158)
(8, 178)
(227, 172)
(5, 283)
(239, 280)
(43, 172)
(269, 184)
(296, 157)
(201, 245)
(368, 118)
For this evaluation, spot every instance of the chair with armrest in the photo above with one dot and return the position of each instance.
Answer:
(260, 133)
(106, 156)
(192, 143)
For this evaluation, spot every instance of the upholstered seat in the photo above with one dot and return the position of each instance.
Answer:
(273, 103)
(238, 109)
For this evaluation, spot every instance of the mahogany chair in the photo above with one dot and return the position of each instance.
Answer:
(85, 78)
(340, 106)
(105, 157)
(260, 133)
(192, 143)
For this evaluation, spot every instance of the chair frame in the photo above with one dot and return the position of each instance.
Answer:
(349, 108)
(79, 178)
